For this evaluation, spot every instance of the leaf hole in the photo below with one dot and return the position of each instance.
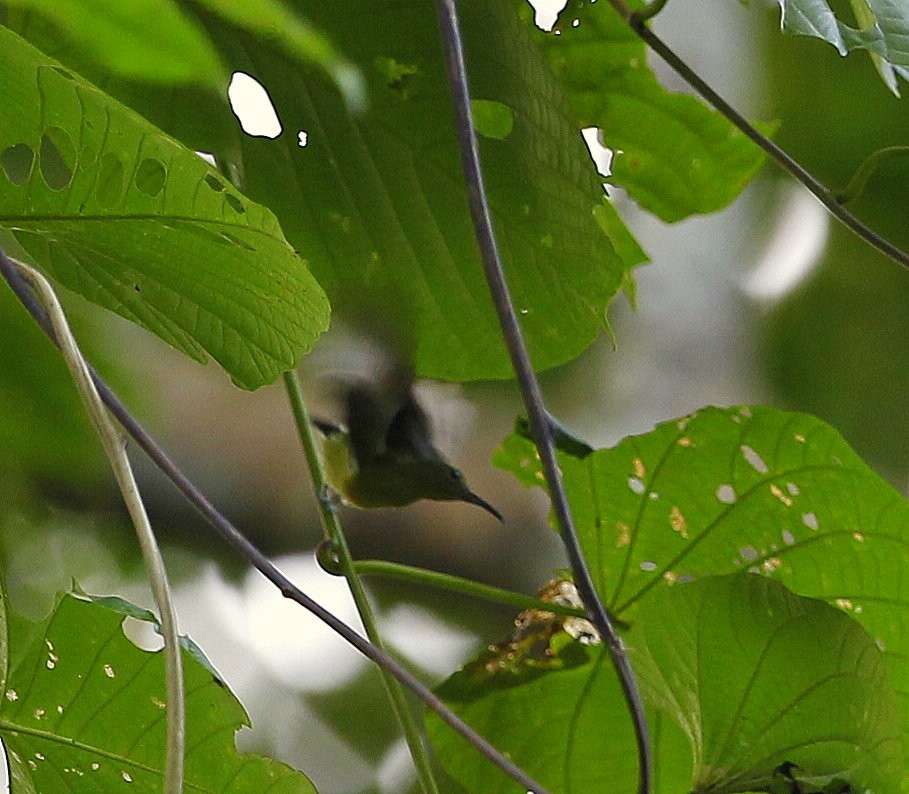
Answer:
(234, 203)
(754, 459)
(151, 176)
(251, 104)
(214, 183)
(17, 162)
(57, 158)
(142, 634)
(726, 494)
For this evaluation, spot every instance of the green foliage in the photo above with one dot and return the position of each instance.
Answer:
(883, 31)
(39, 406)
(568, 729)
(114, 210)
(773, 689)
(411, 245)
(673, 155)
(82, 709)
(761, 678)
(755, 674)
(152, 42)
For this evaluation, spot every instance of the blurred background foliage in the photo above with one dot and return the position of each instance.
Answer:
(734, 308)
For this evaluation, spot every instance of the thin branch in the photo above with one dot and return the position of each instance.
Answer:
(825, 195)
(530, 389)
(335, 535)
(457, 584)
(115, 449)
(865, 171)
(236, 540)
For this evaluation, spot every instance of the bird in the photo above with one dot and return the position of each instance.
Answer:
(386, 457)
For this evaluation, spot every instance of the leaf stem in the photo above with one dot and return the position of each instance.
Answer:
(530, 390)
(335, 534)
(115, 449)
(826, 196)
(466, 587)
(864, 172)
(248, 551)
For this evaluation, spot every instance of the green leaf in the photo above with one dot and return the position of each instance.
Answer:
(272, 20)
(675, 156)
(82, 711)
(884, 31)
(162, 43)
(155, 42)
(725, 490)
(124, 215)
(44, 431)
(760, 678)
(568, 729)
(377, 202)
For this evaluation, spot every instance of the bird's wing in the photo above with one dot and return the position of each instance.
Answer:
(409, 434)
(368, 420)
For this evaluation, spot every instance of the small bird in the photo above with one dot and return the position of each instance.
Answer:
(387, 458)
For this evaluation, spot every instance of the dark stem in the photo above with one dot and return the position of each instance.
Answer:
(530, 390)
(826, 196)
(234, 538)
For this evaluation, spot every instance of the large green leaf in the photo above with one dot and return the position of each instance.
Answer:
(568, 729)
(377, 202)
(765, 684)
(155, 42)
(762, 679)
(161, 43)
(675, 156)
(883, 32)
(83, 711)
(743, 488)
(119, 212)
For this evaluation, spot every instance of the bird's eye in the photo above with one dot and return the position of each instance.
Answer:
(456, 474)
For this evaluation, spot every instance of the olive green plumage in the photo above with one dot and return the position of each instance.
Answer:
(386, 457)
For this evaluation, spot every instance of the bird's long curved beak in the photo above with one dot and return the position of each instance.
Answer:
(480, 502)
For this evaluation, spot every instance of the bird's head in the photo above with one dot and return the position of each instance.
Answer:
(442, 481)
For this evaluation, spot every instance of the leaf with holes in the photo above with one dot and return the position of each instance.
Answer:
(377, 202)
(763, 680)
(675, 156)
(124, 215)
(83, 711)
(883, 31)
(742, 488)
